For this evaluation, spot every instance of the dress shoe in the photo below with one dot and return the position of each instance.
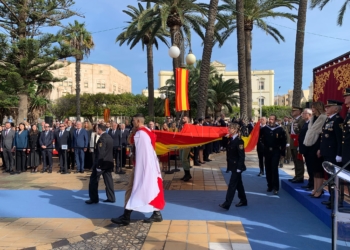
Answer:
(269, 190)
(59, 171)
(77, 172)
(109, 201)
(82, 172)
(50, 171)
(242, 204)
(224, 206)
(208, 160)
(197, 164)
(314, 196)
(12, 173)
(156, 217)
(275, 192)
(291, 179)
(297, 181)
(202, 162)
(42, 171)
(89, 202)
(261, 173)
(325, 202)
(123, 219)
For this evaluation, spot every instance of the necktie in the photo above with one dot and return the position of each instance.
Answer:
(122, 131)
(6, 132)
(46, 133)
(78, 131)
(61, 133)
(113, 132)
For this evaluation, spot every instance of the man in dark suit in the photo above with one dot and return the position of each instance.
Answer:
(70, 155)
(80, 142)
(207, 147)
(304, 150)
(123, 135)
(45, 141)
(62, 144)
(115, 134)
(250, 126)
(103, 166)
(8, 136)
(260, 148)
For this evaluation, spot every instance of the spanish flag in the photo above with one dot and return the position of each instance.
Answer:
(166, 107)
(181, 90)
(251, 141)
(106, 115)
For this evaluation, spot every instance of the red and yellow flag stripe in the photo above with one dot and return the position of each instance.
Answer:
(181, 91)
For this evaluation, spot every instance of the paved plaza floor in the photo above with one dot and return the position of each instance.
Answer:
(47, 211)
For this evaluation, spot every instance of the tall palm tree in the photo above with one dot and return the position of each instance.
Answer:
(206, 56)
(299, 52)
(146, 32)
(322, 3)
(255, 11)
(81, 43)
(223, 93)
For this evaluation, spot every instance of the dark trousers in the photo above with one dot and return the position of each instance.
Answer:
(272, 159)
(47, 158)
(235, 184)
(71, 159)
(21, 161)
(79, 158)
(309, 160)
(93, 184)
(261, 160)
(216, 146)
(195, 155)
(88, 160)
(8, 158)
(62, 155)
(298, 165)
(206, 151)
(121, 157)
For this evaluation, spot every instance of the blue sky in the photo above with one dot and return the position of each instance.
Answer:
(266, 53)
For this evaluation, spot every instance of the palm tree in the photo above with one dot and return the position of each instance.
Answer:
(148, 33)
(322, 3)
(81, 43)
(206, 56)
(194, 75)
(223, 93)
(255, 11)
(299, 51)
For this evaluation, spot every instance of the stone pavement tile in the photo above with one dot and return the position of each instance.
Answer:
(159, 228)
(198, 246)
(156, 236)
(197, 229)
(197, 237)
(75, 239)
(153, 245)
(175, 246)
(178, 237)
(238, 237)
(219, 237)
(219, 246)
(198, 223)
(238, 246)
(178, 229)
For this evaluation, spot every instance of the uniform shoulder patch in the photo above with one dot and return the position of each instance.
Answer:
(241, 146)
(100, 144)
(341, 125)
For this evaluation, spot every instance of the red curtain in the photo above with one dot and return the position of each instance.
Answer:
(331, 79)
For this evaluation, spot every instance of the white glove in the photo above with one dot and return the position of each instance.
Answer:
(238, 171)
(338, 158)
(287, 145)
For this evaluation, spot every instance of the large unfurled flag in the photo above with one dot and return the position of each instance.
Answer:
(106, 115)
(166, 107)
(251, 141)
(181, 90)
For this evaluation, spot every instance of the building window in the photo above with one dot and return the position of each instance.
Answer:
(86, 84)
(98, 85)
(103, 85)
(261, 85)
(61, 84)
(69, 83)
(261, 100)
(65, 83)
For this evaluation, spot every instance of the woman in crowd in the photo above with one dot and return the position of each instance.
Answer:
(173, 127)
(313, 140)
(165, 127)
(20, 144)
(33, 149)
(88, 155)
(93, 142)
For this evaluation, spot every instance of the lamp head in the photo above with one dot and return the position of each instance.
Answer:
(174, 51)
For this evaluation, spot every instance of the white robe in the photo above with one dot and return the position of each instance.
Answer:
(145, 188)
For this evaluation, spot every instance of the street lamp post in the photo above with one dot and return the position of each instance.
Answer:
(278, 98)
(103, 105)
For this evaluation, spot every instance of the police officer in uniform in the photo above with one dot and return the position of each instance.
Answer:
(295, 128)
(331, 137)
(346, 141)
(235, 163)
(274, 139)
(103, 166)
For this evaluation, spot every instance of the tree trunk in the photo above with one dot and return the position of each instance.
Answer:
(205, 66)
(150, 79)
(241, 58)
(77, 81)
(248, 62)
(299, 49)
(22, 108)
(176, 39)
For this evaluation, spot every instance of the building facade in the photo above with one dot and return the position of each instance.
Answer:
(287, 99)
(262, 84)
(95, 78)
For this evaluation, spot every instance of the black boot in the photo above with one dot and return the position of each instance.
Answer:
(187, 176)
(156, 217)
(123, 219)
(184, 176)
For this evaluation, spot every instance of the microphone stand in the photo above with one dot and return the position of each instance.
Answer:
(334, 202)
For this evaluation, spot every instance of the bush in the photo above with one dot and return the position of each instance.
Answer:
(279, 111)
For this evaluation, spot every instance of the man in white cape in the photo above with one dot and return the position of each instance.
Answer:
(144, 192)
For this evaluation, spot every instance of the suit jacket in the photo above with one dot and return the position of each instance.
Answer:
(302, 148)
(104, 152)
(46, 140)
(64, 139)
(235, 154)
(7, 140)
(250, 127)
(21, 140)
(297, 124)
(331, 137)
(114, 137)
(81, 140)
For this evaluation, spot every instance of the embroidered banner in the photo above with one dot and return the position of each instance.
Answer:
(331, 79)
